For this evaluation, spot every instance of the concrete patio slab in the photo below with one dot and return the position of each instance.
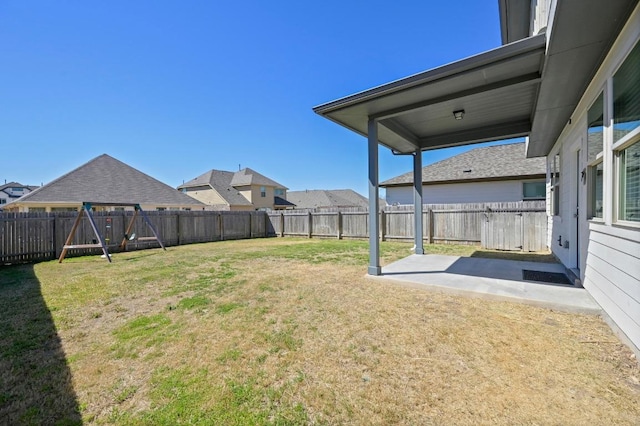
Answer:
(495, 279)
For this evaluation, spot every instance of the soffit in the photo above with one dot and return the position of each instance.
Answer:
(497, 90)
(579, 38)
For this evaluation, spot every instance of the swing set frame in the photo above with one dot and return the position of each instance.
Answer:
(87, 210)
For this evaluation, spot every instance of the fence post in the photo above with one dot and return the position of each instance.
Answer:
(431, 226)
(281, 224)
(178, 224)
(267, 221)
(57, 228)
(383, 225)
(310, 225)
(220, 225)
(339, 225)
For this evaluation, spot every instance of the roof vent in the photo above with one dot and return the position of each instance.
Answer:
(466, 171)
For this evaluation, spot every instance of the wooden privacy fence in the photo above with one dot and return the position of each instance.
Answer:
(33, 237)
(501, 226)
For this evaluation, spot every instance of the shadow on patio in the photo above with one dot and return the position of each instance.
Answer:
(35, 379)
(491, 278)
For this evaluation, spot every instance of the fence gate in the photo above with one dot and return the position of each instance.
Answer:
(514, 230)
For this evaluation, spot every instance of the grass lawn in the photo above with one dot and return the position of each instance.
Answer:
(290, 331)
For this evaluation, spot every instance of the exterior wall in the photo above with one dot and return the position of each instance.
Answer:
(206, 195)
(470, 192)
(609, 253)
(17, 193)
(252, 193)
(539, 16)
(8, 195)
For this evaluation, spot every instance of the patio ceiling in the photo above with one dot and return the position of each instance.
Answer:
(496, 89)
(529, 87)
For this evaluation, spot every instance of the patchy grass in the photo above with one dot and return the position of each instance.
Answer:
(289, 331)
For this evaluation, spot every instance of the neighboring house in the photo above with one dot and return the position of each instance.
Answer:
(568, 78)
(482, 175)
(326, 199)
(12, 191)
(245, 190)
(104, 180)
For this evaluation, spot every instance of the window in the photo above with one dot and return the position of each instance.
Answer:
(555, 185)
(629, 195)
(278, 192)
(595, 191)
(17, 189)
(3, 201)
(595, 127)
(37, 210)
(263, 191)
(595, 140)
(534, 190)
(161, 209)
(626, 96)
(626, 120)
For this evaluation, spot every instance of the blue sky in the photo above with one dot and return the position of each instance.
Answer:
(175, 89)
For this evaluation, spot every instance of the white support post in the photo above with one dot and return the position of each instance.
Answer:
(374, 218)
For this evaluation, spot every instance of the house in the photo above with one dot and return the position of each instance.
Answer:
(245, 190)
(12, 191)
(497, 173)
(104, 180)
(566, 77)
(327, 199)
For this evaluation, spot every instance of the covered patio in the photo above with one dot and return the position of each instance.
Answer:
(529, 87)
(486, 97)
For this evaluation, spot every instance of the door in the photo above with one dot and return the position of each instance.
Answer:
(580, 178)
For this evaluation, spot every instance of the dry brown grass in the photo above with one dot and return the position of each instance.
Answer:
(291, 331)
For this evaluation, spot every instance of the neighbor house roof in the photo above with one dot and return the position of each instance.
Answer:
(248, 176)
(17, 185)
(319, 198)
(499, 162)
(221, 182)
(107, 180)
(225, 183)
(281, 202)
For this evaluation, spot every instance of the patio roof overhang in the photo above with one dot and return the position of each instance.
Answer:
(496, 89)
(579, 36)
(529, 87)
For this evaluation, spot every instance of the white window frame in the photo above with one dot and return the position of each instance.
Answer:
(542, 197)
(617, 151)
(628, 140)
(555, 184)
(593, 164)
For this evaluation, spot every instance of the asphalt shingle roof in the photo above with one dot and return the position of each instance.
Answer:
(319, 198)
(221, 182)
(248, 176)
(225, 184)
(107, 180)
(497, 162)
(17, 185)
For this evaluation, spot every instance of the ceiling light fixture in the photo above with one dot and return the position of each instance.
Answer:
(458, 114)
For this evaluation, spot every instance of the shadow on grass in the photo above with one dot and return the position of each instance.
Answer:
(35, 379)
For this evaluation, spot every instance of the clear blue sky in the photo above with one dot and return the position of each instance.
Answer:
(176, 88)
